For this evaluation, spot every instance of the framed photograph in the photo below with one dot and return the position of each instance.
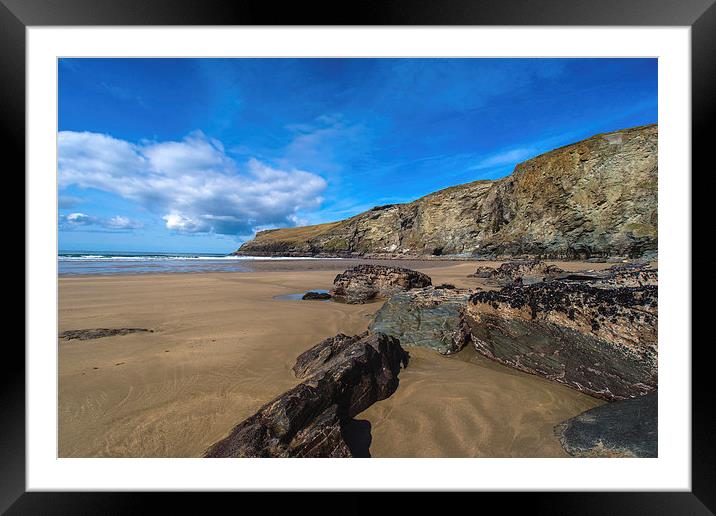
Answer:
(420, 247)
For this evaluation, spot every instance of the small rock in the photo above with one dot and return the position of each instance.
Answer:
(310, 296)
(98, 333)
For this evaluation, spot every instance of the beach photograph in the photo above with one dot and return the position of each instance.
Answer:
(357, 257)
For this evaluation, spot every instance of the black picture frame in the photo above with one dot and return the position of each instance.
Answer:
(17, 15)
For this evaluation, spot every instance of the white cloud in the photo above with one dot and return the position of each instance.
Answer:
(77, 219)
(178, 222)
(120, 222)
(84, 221)
(510, 157)
(192, 184)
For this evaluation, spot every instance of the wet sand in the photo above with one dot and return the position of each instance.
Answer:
(222, 346)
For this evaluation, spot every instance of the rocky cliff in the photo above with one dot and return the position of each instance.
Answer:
(597, 197)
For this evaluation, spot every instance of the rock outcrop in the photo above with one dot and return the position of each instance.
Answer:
(342, 376)
(627, 428)
(636, 277)
(524, 272)
(366, 282)
(627, 275)
(431, 317)
(594, 198)
(601, 341)
(98, 333)
(316, 296)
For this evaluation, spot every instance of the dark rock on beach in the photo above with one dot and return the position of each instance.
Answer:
(518, 272)
(323, 355)
(483, 271)
(366, 282)
(636, 275)
(623, 275)
(98, 333)
(626, 428)
(601, 341)
(316, 296)
(431, 317)
(343, 375)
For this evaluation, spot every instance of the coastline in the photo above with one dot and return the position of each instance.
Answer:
(222, 346)
(264, 265)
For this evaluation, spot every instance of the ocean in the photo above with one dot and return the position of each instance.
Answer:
(100, 262)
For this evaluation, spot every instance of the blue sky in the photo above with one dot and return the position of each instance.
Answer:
(192, 155)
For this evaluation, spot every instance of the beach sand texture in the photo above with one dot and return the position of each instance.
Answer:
(222, 346)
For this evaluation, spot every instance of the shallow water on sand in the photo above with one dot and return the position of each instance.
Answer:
(127, 262)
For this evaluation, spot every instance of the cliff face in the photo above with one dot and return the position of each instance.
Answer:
(597, 197)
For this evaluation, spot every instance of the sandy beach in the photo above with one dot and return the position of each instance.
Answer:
(222, 346)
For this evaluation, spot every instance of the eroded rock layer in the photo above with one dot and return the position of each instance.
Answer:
(521, 271)
(601, 341)
(623, 275)
(366, 282)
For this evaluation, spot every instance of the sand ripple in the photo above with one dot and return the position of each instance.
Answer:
(222, 347)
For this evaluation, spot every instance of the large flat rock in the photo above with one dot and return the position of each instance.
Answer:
(431, 317)
(601, 341)
(627, 428)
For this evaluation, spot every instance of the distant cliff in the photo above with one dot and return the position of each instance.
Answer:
(594, 198)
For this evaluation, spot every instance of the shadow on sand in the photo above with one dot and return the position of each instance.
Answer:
(357, 436)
